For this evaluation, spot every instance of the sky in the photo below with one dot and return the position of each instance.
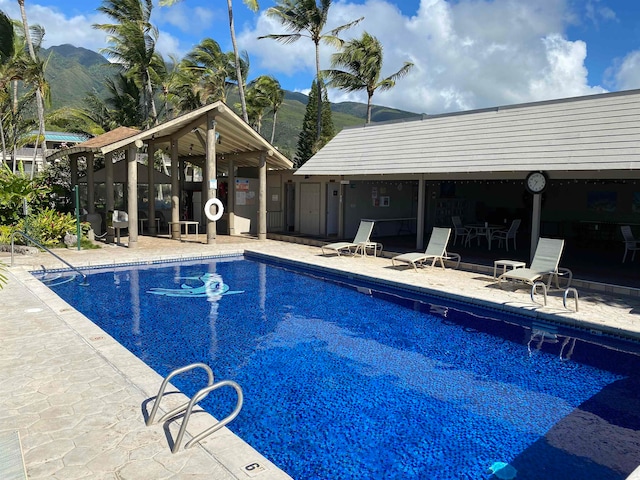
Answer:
(467, 54)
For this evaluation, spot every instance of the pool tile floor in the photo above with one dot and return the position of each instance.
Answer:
(79, 399)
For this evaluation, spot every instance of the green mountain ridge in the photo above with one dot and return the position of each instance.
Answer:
(74, 72)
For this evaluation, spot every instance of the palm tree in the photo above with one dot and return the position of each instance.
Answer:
(211, 68)
(6, 38)
(253, 6)
(40, 82)
(307, 18)
(362, 60)
(7, 43)
(256, 105)
(133, 39)
(270, 90)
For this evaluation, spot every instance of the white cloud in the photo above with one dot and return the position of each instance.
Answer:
(627, 72)
(467, 54)
(195, 20)
(60, 29)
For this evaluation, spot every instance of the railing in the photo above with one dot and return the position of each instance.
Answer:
(38, 244)
(534, 289)
(566, 294)
(187, 408)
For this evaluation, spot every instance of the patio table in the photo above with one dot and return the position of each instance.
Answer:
(482, 230)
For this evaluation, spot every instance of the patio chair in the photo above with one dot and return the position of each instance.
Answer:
(436, 251)
(119, 220)
(545, 262)
(459, 230)
(360, 242)
(507, 235)
(630, 243)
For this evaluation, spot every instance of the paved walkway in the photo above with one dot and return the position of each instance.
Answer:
(77, 397)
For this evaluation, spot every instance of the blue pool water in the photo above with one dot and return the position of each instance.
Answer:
(344, 381)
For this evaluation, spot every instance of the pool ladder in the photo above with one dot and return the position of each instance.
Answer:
(188, 407)
(569, 290)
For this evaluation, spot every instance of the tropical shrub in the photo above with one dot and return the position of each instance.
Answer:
(49, 227)
(14, 189)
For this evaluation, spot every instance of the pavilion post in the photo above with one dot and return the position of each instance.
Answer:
(91, 197)
(151, 194)
(132, 195)
(175, 194)
(108, 170)
(262, 198)
(231, 198)
(210, 173)
(73, 166)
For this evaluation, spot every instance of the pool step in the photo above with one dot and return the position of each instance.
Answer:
(11, 459)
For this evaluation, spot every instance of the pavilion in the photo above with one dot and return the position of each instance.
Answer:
(212, 137)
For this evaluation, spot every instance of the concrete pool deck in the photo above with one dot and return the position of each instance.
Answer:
(77, 397)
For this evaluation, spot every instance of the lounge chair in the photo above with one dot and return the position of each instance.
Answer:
(630, 243)
(436, 250)
(545, 262)
(360, 243)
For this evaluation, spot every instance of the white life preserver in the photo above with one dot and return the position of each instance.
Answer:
(207, 209)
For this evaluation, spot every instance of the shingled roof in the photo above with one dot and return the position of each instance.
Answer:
(588, 134)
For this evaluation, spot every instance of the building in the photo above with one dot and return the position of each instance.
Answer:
(475, 165)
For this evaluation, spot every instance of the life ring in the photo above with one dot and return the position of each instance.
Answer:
(207, 209)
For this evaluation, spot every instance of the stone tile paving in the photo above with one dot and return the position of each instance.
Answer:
(77, 396)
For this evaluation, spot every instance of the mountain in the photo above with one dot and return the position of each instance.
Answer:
(74, 72)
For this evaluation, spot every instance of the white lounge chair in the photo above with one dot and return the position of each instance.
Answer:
(545, 262)
(436, 250)
(360, 243)
(630, 243)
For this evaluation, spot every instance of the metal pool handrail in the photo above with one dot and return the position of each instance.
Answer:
(217, 426)
(163, 387)
(566, 295)
(13, 234)
(188, 407)
(534, 289)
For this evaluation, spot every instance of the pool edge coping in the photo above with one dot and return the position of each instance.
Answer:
(223, 446)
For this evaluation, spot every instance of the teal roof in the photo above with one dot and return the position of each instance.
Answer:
(65, 137)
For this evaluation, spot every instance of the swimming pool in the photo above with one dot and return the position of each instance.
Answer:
(345, 381)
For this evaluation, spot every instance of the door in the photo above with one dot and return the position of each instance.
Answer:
(310, 208)
(333, 205)
(290, 207)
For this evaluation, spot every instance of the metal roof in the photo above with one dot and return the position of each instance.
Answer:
(237, 141)
(64, 137)
(591, 133)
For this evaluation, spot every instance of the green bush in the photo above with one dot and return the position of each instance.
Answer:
(49, 227)
(5, 234)
(14, 189)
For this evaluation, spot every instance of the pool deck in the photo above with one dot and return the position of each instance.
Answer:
(78, 398)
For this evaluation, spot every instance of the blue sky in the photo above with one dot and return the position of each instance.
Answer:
(467, 53)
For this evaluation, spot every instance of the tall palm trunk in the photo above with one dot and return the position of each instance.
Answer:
(236, 54)
(320, 88)
(39, 97)
(273, 127)
(152, 102)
